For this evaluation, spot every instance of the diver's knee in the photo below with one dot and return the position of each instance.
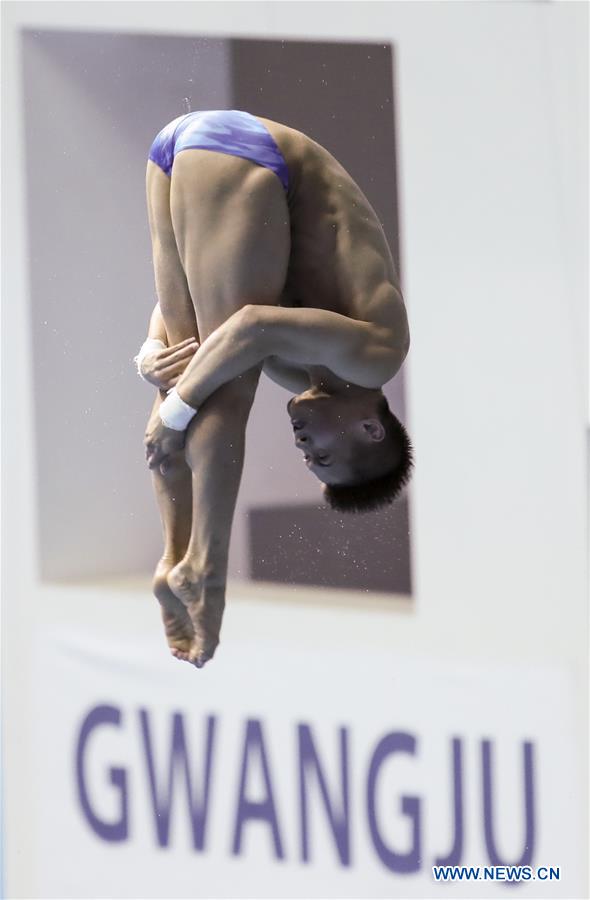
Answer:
(173, 467)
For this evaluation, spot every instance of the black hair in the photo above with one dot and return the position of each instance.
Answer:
(365, 496)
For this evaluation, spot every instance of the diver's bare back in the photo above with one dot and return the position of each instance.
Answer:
(340, 259)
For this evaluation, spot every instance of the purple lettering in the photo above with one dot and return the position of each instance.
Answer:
(338, 814)
(396, 742)
(453, 857)
(529, 805)
(178, 758)
(108, 831)
(248, 809)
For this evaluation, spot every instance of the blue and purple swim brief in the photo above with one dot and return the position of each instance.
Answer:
(225, 131)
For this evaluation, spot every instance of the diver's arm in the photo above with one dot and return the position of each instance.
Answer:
(163, 366)
(292, 378)
(360, 352)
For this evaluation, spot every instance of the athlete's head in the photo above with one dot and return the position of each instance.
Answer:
(354, 444)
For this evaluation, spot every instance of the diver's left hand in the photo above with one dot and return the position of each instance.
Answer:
(163, 367)
(161, 443)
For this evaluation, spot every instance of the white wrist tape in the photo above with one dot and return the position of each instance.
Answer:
(175, 413)
(148, 346)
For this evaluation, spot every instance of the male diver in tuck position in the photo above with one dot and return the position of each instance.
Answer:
(267, 257)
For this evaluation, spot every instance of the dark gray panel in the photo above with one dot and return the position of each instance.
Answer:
(314, 545)
(341, 95)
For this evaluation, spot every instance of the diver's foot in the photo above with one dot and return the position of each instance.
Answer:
(185, 583)
(178, 627)
(204, 606)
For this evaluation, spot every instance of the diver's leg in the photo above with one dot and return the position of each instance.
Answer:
(233, 235)
(173, 492)
(172, 487)
(215, 452)
(232, 229)
(175, 300)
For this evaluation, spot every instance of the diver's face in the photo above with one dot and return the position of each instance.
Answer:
(331, 433)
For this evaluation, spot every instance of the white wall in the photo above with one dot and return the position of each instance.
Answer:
(492, 111)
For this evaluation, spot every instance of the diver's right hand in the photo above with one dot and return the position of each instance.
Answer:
(163, 367)
(161, 443)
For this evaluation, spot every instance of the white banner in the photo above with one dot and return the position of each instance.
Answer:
(284, 772)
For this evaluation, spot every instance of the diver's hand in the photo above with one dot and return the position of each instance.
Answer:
(161, 443)
(163, 367)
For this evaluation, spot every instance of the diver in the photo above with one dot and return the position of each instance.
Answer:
(267, 257)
